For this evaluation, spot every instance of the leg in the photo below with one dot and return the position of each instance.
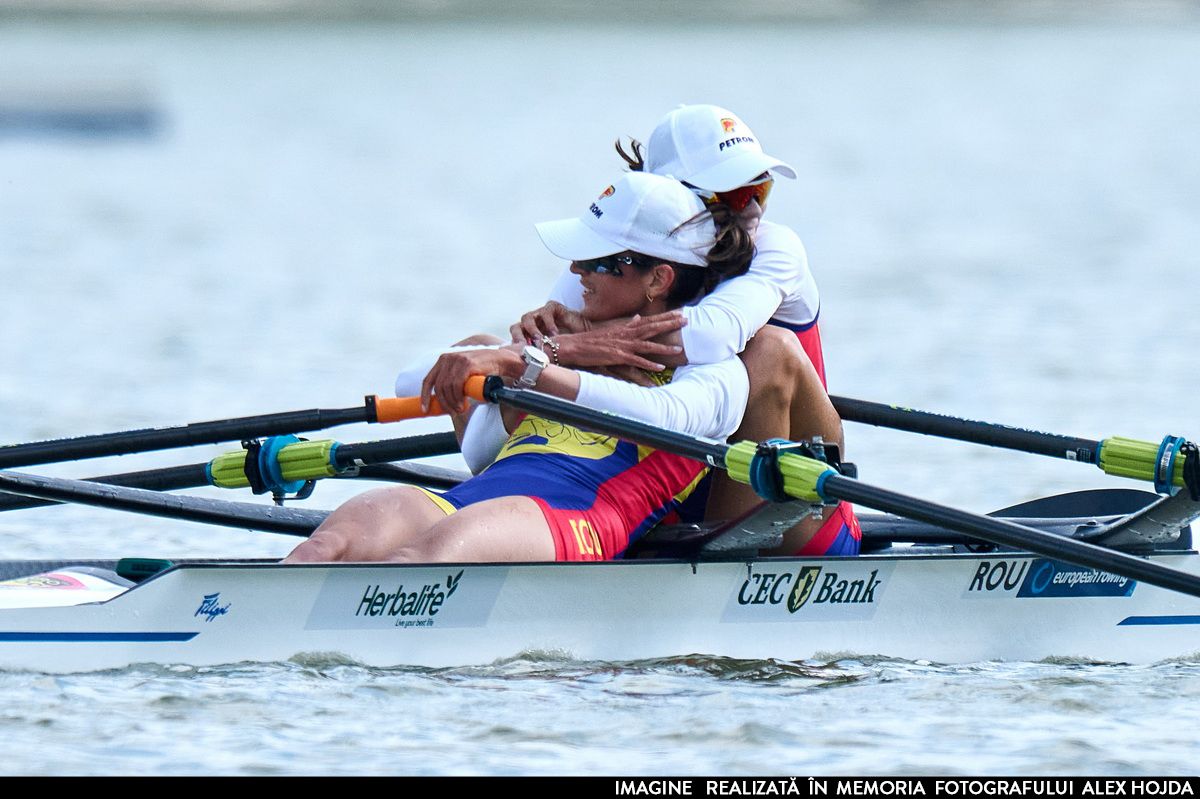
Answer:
(370, 526)
(787, 400)
(492, 531)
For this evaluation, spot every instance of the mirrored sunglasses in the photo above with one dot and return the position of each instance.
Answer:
(737, 199)
(610, 264)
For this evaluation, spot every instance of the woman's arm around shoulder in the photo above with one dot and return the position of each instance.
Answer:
(721, 324)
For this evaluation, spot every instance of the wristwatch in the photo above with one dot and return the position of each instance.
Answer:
(535, 362)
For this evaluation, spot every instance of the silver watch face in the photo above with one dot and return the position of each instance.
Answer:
(533, 355)
(535, 362)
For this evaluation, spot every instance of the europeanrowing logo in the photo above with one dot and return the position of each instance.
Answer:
(1049, 578)
(728, 124)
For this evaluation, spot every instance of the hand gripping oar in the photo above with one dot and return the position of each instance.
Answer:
(373, 409)
(814, 481)
(1161, 463)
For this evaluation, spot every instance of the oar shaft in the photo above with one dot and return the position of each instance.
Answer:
(196, 474)
(1006, 533)
(292, 521)
(168, 479)
(422, 446)
(988, 433)
(701, 449)
(156, 438)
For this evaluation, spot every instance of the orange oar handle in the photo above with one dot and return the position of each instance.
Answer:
(394, 409)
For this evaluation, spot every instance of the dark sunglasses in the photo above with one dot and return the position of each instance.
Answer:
(611, 264)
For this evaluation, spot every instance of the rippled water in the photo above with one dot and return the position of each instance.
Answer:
(1002, 219)
(688, 715)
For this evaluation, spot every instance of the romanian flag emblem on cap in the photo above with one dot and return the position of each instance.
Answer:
(728, 124)
(606, 193)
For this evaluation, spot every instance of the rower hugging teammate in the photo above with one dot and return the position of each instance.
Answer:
(683, 229)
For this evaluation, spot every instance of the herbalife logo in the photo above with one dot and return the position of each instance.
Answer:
(808, 586)
(416, 607)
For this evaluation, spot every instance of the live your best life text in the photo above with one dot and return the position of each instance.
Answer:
(911, 786)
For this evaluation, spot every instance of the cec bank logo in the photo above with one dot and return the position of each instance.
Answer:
(833, 591)
(802, 590)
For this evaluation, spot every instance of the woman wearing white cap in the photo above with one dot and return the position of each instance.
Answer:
(556, 492)
(716, 154)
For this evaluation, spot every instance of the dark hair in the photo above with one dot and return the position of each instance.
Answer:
(634, 158)
(729, 257)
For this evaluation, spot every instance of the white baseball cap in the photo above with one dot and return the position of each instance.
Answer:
(710, 148)
(642, 213)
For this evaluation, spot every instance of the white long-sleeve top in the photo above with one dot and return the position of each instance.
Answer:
(706, 400)
(778, 285)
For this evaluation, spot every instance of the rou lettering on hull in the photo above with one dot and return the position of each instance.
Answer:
(1045, 578)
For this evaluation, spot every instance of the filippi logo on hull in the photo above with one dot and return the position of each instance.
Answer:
(406, 598)
(809, 593)
(1045, 578)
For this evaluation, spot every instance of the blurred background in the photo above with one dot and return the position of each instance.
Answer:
(214, 209)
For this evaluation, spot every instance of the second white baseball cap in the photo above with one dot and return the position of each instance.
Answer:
(710, 148)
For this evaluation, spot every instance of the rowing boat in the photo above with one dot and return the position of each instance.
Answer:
(1104, 575)
(940, 600)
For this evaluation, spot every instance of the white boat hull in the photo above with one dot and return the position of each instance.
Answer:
(938, 607)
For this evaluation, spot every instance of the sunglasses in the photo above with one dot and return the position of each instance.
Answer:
(611, 264)
(737, 199)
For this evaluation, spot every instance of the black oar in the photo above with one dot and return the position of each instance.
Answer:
(805, 478)
(346, 456)
(987, 433)
(244, 515)
(373, 409)
(1115, 455)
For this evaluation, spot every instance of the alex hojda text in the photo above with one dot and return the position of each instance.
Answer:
(909, 786)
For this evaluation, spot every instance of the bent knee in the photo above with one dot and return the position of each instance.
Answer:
(775, 363)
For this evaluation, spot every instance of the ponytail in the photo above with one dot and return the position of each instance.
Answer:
(634, 158)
